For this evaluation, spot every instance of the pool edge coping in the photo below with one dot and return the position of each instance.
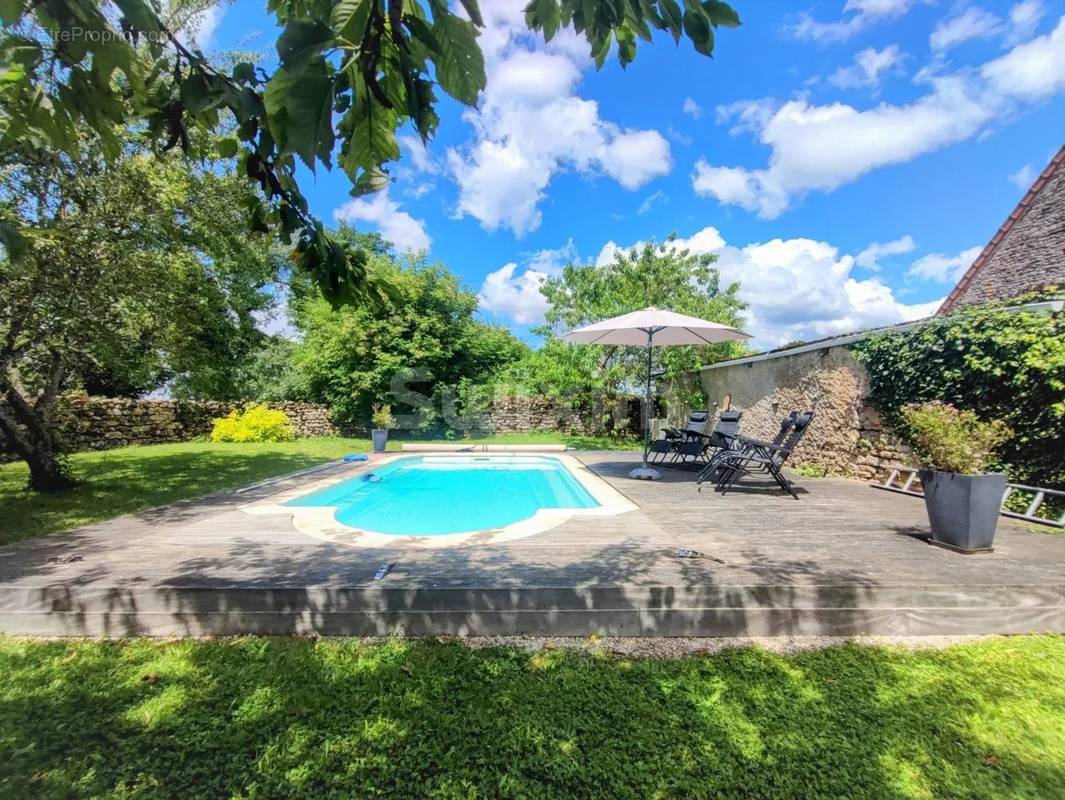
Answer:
(319, 522)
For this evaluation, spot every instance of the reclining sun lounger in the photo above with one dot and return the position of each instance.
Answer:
(754, 455)
(707, 472)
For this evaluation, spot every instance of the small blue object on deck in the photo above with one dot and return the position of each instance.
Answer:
(357, 457)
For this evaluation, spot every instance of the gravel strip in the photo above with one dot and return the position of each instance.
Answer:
(646, 647)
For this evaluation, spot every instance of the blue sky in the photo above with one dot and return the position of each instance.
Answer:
(845, 159)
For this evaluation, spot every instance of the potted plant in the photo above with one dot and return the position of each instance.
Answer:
(954, 448)
(381, 419)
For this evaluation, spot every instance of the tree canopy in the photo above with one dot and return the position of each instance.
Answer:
(660, 274)
(350, 74)
(133, 272)
(418, 350)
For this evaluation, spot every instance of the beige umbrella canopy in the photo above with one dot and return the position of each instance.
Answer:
(653, 327)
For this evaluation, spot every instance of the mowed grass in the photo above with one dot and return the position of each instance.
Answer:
(131, 479)
(277, 718)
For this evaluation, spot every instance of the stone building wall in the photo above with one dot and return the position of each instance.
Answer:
(1028, 251)
(103, 423)
(847, 436)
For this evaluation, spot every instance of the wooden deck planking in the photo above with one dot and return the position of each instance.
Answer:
(773, 564)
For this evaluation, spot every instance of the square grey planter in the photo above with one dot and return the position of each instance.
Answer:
(963, 509)
(380, 439)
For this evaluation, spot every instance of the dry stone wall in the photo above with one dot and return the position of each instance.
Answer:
(103, 423)
(521, 414)
(847, 436)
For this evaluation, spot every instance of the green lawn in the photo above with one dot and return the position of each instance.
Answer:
(277, 718)
(132, 479)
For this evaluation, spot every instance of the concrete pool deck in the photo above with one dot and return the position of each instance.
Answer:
(845, 559)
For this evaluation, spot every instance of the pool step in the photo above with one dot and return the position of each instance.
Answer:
(774, 610)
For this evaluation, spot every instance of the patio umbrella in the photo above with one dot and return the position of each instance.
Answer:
(652, 327)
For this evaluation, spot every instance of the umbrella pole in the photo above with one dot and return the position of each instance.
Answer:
(647, 403)
(645, 472)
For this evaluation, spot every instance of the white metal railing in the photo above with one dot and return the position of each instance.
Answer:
(901, 479)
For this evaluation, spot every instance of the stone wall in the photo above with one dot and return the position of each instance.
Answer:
(103, 423)
(1028, 252)
(520, 414)
(847, 436)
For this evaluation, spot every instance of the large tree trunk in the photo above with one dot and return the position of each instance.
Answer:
(30, 435)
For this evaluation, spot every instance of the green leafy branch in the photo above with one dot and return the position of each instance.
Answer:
(351, 74)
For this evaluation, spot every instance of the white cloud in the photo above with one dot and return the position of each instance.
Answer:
(1033, 70)
(804, 289)
(552, 260)
(1024, 19)
(753, 190)
(944, 269)
(634, 158)
(207, 22)
(274, 320)
(692, 109)
(869, 258)
(799, 288)
(1024, 177)
(198, 29)
(748, 116)
(420, 158)
(531, 125)
(866, 69)
(863, 14)
(651, 200)
(419, 190)
(416, 176)
(823, 147)
(972, 23)
(397, 226)
(518, 296)
(678, 137)
(608, 251)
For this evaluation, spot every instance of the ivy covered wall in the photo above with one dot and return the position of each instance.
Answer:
(1002, 364)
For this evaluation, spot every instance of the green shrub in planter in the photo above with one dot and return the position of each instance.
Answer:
(955, 447)
(381, 420)
(949, 440)
(257, 423)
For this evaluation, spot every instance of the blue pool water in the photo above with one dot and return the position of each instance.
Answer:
(435, 495)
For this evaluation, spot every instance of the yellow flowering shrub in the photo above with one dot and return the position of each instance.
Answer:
(257, 423)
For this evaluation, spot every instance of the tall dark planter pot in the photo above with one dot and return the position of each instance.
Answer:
(380, 439)
(963, 509)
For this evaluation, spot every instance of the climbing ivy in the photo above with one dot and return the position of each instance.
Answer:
(1004, 365)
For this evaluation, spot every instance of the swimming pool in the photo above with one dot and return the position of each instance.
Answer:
(440, 495)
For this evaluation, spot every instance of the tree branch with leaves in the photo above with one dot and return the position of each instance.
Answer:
(351, 73)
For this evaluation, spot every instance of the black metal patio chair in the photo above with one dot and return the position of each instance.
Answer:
(697, 448)
(696, 424)
(707, 472)
(662, 448)
(754, 455)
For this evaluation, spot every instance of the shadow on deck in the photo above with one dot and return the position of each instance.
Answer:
(844, 559)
